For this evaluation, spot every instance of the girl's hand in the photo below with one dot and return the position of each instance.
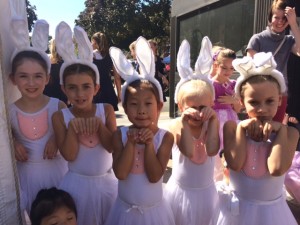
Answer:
(20, 152)
(207, 113)
(51, 149)
(269, 127)
(190, 113)
(254, 128)
(145, 136)
(85, 126)
(132, 135)
(227, 99)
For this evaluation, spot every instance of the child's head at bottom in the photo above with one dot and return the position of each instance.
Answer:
(196, 94)
(53, 206)
(142, 100)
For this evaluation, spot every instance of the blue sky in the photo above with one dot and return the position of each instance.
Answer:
(55, 11)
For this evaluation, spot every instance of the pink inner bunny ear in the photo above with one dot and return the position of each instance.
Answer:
(85, 50)
(184, 60)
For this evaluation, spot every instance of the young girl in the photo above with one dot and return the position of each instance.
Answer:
(84, 131)
(226, 104)
(53, 206)
(142, 150)
(190, 190)
(39, 165)
(258, 150)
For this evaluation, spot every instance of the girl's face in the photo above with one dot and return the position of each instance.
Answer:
(261, 100)
(30, 78)
(141, 107)
(80, 90)
(279, 21)
(197, 102)
(61, 216)
(94, 44)
(224, 68)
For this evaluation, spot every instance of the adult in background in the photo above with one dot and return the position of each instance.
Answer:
(274, 40)
(105, 66)
(53, 88)
(159, 67)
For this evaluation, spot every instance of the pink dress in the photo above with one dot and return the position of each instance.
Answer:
(90, 179)
(140, 202)
(33, 130)
(224, 112)
(254, 196)
(191, 191)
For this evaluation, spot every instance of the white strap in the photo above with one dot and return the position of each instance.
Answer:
(279, 46)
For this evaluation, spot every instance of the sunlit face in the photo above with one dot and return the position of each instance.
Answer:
(279, 21)
(30, 78)
(80, 90)
(197, 102)
(261, 100)
(61, 216)
(142, 108)
(225, 68)
(153, 47)
(132, 52)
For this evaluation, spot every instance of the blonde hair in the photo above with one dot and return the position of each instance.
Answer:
(54, 56)
(132, 45)
(193, 88)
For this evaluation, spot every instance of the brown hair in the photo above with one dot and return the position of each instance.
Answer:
(224, 53)
(102, 43)
(78, 68)
(279, 5)
(256, 80)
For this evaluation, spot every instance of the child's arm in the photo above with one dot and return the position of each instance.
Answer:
(231, 100)
(106, 131)
(123, 156)
(66, 138)
(212, 143)
(20, 151)
(156, 163)
(51, 148)
(234, 145)
(283, 147)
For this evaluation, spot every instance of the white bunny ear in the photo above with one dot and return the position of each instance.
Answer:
(184, 60)
(145, 57)
(40, 35)
(64, 42)
(205, 58)
(262, 64)
(122, 65)
(85, 50)
(20, 34)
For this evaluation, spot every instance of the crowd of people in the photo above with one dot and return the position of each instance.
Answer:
(75, 166)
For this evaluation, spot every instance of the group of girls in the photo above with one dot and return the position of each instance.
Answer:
(115, 177)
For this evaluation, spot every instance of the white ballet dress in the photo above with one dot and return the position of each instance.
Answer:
(254, 196)
(191, 191)
(140, 202)
(33, 130)
(90, 179)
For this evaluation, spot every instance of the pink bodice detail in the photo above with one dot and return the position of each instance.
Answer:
(89, 140)
(138, 161)
(256, 159)
(199, 152)
(33, 127)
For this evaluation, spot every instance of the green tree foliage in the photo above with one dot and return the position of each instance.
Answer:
(31, 16)
(123, 21)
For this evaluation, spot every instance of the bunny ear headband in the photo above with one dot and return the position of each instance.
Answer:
(66, 49)
(202, 66)
(261, 64)
(39, 38)
(145, 59)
